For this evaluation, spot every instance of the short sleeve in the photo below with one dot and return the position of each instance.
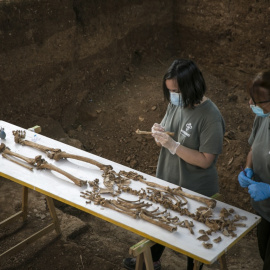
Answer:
(211, 138)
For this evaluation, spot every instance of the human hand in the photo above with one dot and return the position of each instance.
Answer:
(249, 172)
(259, 191)
(244, 180)
(157, 127)
(166, 141)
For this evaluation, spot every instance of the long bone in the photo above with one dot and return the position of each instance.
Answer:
(56, 154)
(209, 202)
(43, 164)
(5, 150)
(17, 162)
(149, 132)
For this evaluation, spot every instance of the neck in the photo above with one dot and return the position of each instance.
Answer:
(202, 101)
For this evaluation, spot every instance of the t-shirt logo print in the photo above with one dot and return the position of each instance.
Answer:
(188, 126)
(185, 132)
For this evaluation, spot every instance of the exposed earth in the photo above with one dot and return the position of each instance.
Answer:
(91, 243)
(100, 111)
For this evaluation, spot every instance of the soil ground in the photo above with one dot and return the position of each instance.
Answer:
(113, 114)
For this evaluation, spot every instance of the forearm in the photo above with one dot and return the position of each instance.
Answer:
(194, 157)
(249, 163)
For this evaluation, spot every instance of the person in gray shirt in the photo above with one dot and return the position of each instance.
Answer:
(258, 161)
(189, 157)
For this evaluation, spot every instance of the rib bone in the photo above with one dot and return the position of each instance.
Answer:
(178, 191)
(158, 223)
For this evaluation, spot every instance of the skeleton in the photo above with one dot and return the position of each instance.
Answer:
(54, 153)
(167, 199)
(170, 198)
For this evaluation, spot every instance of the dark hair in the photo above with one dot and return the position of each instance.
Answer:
(261, 80)
(190, 81)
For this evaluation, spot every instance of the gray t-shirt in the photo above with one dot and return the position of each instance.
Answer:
(202, 129)
(260, 143)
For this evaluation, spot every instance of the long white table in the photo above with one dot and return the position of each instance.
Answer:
(57, 186)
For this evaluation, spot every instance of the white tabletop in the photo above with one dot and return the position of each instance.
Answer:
(61, 188)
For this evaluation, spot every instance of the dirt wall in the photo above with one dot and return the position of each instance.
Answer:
(54, 55)
(230, 36)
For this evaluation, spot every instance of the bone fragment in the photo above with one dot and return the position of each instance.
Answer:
(212, 224)
(224, 213)
(43, 164)
(202, 208)
(106, 191)
(17, 162)
(217, 240)
(239, 225)
(149, 132)
(203, 237)
(188, 225)
(225, 232)
(208, 245)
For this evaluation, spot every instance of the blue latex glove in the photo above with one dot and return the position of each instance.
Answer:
(259, 191)
(249, 172)
(243, 180)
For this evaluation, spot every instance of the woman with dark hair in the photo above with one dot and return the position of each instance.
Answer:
(258, 161)
(188, 158)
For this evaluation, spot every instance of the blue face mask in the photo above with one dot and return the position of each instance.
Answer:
(258, 111)
(176, 99)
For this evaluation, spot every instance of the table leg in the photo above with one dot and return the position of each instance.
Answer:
(223, 263)
(196, 265)
(139, 262)
(148, 259)
(23, 213)
(53, 214)
(142, 252)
